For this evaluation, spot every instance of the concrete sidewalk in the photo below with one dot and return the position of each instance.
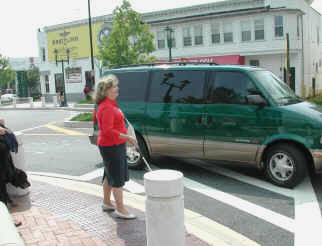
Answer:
(53, 214)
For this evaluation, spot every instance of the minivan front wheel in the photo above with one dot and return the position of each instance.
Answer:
(134, 158)
(285, 165)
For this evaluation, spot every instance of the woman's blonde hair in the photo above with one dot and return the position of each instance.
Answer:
(103, 85)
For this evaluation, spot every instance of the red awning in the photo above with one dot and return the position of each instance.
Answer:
(222, 60)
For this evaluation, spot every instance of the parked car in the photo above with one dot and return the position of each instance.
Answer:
(7, 97)
(229, 114)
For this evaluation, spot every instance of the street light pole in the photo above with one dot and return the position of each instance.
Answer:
(91, 42)
(62, 67)
(169, 31)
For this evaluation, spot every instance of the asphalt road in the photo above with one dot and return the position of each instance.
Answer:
(238, 198)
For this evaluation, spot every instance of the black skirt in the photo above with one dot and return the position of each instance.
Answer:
(115, 164)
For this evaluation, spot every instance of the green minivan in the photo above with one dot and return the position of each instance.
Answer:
(224, 113)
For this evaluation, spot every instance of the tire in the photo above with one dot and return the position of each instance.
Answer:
(134, 158)
(285, 165)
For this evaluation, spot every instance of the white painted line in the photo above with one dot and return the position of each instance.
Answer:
(92, 175)
(248, 207)
(248, 180)
(308, 222)
(33, 128)
(134, 187)
(130, 186)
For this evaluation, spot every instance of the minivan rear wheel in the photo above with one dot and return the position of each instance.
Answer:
(286, 165)
(134, 158)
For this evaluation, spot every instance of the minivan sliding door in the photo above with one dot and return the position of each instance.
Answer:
(231, 133)
(174, 113)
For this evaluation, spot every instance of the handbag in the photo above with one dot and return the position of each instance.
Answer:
(93, 137)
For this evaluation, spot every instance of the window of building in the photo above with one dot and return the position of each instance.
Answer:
(298, 26)
(254, 63)
(47, 83)
(133, 86)
(246, 32)
(59, 82)
(279, 30)
(173, 38)
(259, 29)
(318, 35)
(43, 51)
(230, 88)
(228, 32)
(161, 39)
(198, 34)
(177, 87)
(215, 33)
(187, 40)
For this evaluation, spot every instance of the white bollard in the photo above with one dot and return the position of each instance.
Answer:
(19, 162)
(14, 102)
(164, 208)
(43, 102)
(8, 232)
(55, 101)
(31, 101)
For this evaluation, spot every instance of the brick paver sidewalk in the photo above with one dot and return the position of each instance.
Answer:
(52, 215)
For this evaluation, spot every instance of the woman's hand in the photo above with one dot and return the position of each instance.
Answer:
(132, 141)
(2, 131)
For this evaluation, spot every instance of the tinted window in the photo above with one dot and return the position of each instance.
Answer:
(132, 86)
(230, 88)
(177, 87)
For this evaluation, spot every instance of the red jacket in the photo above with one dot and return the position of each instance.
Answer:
(111, 123)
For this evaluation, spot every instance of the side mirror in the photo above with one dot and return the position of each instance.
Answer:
(256, 100)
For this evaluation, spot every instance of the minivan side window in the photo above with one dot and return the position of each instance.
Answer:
(229, 87)
(177, 87)
(132, 86)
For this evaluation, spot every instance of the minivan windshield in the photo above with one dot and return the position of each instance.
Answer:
(277, 89)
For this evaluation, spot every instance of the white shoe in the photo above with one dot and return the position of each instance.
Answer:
(125, 216)
(106, 207)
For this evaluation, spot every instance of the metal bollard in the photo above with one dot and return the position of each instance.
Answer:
(164, 208)
(14, 102)
(31, 101)
(43, 102)
(19, 162)
(55, 101)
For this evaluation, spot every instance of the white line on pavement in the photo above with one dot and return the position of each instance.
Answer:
(248, 207)
(308, 223)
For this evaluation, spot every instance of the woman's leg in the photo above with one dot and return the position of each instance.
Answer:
(118, 195)
(107, 193)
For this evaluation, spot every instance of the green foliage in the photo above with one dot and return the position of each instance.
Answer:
(6, 74)
(83, 117)
(317, 100)
(85, 102)
(33, 77)
(129, 41)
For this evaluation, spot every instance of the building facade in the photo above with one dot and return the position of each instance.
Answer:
(246, 32)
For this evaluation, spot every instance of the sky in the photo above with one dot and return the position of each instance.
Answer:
(20, 19)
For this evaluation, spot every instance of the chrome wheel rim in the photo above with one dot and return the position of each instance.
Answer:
(133, 156)
(281, 166)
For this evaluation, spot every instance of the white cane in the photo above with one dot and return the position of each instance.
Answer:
(131, 132)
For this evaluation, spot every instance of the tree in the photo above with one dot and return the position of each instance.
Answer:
(129, 41)
(33, 78)
(6, 73)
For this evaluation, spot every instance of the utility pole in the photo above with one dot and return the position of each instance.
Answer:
(288, 70)
(91, 42)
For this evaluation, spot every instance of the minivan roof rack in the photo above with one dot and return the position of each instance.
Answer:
(181, 63)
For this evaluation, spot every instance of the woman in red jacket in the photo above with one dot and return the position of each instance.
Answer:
(111, 141)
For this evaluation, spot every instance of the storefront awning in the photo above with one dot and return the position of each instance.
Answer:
(221, 60)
